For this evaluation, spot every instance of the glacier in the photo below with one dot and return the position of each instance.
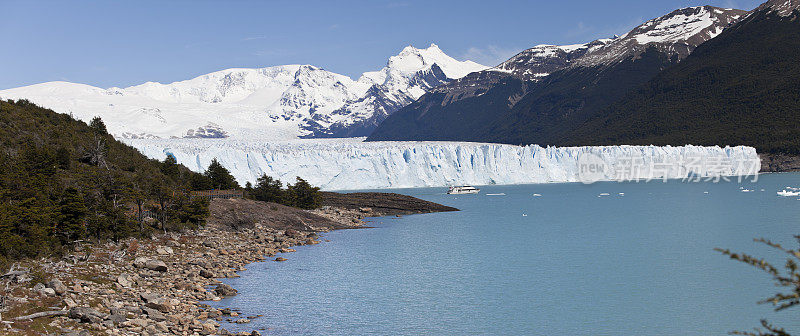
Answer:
(350, 164)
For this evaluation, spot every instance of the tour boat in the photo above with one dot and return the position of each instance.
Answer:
(462, 190)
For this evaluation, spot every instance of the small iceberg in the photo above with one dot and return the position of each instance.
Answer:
(500, 194)
(788, 193)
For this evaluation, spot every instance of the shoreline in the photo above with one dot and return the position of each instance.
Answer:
(160, 285)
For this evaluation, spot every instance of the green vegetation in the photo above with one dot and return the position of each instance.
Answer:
(62, 181)
(788, 280)
(215, 177)
(300, 195)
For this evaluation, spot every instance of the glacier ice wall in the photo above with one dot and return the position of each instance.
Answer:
(352, 164)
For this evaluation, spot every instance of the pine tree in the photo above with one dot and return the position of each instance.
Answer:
(72, 220)
(303, 195)
(98, 125)
(268, 189)
(220, 177)
(170, 166)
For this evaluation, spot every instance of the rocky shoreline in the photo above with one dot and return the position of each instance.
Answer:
(778, 163)
(157, 286)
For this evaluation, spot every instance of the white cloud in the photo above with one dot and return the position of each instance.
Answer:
(490, 55)
(251, 38)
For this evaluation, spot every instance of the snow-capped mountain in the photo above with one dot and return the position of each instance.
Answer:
(548, 89)
(781, 7)
(405, 78)
(675, 34)
(280, 102)
(537, 62)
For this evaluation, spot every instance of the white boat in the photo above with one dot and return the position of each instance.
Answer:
(462, 190)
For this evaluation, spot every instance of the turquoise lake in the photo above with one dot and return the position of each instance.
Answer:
(570, 262)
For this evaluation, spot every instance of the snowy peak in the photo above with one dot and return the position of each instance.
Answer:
(687, 25)
(675, 34)
(406, 77)
(279, 102)
(541, 60)
(781, 7)
(225, 86)
(411, 60)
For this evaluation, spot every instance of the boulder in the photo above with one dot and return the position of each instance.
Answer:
(225, 290)
(69, 302)
(161, 305)
(149, 297)
(151, 264)
(117, 318)
(125, 280)
(153, 314)
(43, 290)
(206, 273)
(140, 262)
(164, 250)
(57, 286)
(156, 265)
(85, 314)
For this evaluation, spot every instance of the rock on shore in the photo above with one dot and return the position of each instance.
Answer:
(156, 286)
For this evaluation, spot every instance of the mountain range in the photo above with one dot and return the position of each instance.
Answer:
(547, 90)
(280, 102)
(699, 75)
(742, 87)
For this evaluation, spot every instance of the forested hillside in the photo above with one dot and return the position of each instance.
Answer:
(740, 88)
(62, 181)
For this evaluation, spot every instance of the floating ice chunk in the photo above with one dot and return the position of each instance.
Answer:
(787, 193)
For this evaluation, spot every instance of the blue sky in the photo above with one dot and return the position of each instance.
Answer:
(123, 43)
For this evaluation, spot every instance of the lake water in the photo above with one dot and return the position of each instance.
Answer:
(568, 262)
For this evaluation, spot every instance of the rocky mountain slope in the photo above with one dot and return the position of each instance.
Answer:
(548, 90)
(742, 87)
(281, 102)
